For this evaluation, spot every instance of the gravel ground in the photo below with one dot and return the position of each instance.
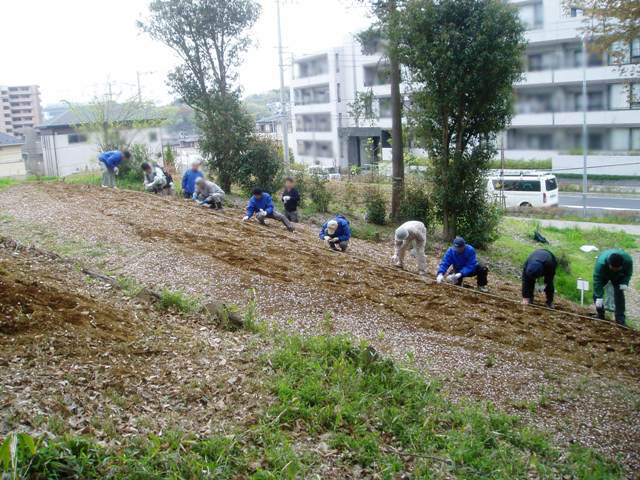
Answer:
(574, 376)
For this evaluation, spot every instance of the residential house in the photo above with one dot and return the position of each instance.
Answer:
(11, 162)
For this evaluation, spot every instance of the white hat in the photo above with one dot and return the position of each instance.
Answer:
(332, 226)
(199, 180)
(402, 233)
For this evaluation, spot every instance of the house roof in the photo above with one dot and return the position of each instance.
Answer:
(114, 112)
(269, 119)
(6, 139)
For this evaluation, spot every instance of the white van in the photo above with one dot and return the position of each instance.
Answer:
(516, 188)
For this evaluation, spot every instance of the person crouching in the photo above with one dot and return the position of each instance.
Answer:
(336, 233)
(208, 194)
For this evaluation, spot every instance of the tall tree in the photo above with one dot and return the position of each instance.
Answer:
(210, 37)
(386, 27)
(463, 56)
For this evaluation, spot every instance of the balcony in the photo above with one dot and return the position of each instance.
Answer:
(569, 75)
(566, 119)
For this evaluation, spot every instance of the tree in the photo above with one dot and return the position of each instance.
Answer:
(113, 123)
(210, 37)
(387, 13)
(261, 166)
(463, 57)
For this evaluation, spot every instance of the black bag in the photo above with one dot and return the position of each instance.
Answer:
(539, 238)
(168, 176)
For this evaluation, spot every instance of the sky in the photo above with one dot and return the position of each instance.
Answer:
(74, 48)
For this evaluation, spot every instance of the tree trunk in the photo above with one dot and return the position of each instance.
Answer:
(449, 225)
(397, 146)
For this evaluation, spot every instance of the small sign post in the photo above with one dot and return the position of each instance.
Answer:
(583, 285)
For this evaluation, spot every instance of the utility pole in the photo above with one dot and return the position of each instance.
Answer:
(284, 114)
(585, 142)
(397, 151)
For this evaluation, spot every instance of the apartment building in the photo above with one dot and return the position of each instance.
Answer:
(19, 109)
(548, 110)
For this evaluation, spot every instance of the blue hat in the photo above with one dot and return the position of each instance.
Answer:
(458, 242)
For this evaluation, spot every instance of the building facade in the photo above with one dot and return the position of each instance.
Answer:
(547, 123)
(20, 109)
(11, 161)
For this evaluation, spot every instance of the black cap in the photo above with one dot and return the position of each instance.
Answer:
(459, 242)
(616, 260)
(256, 191)
(145, 166)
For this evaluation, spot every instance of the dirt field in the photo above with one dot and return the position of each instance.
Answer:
(582, 373)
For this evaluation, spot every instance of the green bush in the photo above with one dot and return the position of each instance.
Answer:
(478, 225)
(376, 207)
(131, 170)
(416, 204)
(261, 166)
(319, 194)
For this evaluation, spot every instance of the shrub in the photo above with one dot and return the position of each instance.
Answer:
(416, 204)
(131, 169)
(302, 184)
(319, 194)
(478, 225)
(350, 196)
(376, 207)
(261, 166)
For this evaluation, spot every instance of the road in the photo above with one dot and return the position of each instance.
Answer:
(601, 201)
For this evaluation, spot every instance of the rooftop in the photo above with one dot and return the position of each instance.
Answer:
(6, 139)
(115, 112)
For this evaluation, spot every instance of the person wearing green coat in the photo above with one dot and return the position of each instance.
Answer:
(615, 266)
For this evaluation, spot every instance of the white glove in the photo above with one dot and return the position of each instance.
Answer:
(624, 287)
(454, 277)
(395, 260)
(115, 170)
(525, 301)
(286, 199)
(327, 238)
(326, 242)
(599, 303)
(263, 212)
(439, 278)
(335, 240)
(245, 218)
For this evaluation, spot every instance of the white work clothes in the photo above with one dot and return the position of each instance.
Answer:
(416, 240)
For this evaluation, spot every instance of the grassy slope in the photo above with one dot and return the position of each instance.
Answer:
(516, 243)
(338, 408)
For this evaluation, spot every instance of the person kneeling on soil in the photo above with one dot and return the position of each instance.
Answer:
(336, 233)
(208, 194)
(615, 266)
(462, 258)
(110, 161)
(290, 200)
(541, 263)
(154, 179)
(261, 205)
(411, 235)
(189, 180)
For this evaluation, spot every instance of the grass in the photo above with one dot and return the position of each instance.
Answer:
(516, 243)
(95, 178)
(625, 218)
(333, 396)
(179, 301)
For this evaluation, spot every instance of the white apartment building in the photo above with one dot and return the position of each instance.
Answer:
(548, 111)
(20, 109)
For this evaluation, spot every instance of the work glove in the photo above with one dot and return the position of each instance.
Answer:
(525, 301)
(286, 199)
(624, 287)
(395, 260)
(334, 240)
(115, 170)
(454, 277)
(327, 238)
(327, 243)
(263, 212)
(245, 218)
(599, 303)
(439, 278)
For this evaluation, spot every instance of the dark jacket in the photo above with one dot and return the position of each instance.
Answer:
(541, 263)
(602, 274)
(292, 204)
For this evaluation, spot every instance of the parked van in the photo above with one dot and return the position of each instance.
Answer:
(327, 173)
(515, 188)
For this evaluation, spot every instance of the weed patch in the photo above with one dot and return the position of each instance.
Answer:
(175, 300)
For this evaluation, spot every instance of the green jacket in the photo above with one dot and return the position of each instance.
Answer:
(603, 275)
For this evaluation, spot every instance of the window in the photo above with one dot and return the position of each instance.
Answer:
(532, 15)
(337, 62)
(635, 139)
(153, 137)
(634, 95)
(595, 101)
(76, 138)
(518, 185)
(635, 51)
(378, 74)
(324, 149)
(384, 107)
(338, 93)
(551, 184)
(576, 12)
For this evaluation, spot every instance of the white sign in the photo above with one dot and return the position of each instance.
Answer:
(583, 284)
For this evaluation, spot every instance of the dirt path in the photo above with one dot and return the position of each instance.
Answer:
(528, 360)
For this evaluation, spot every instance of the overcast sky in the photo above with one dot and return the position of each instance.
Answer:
(73, 48)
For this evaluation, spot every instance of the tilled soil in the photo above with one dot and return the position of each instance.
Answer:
(488, 346)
